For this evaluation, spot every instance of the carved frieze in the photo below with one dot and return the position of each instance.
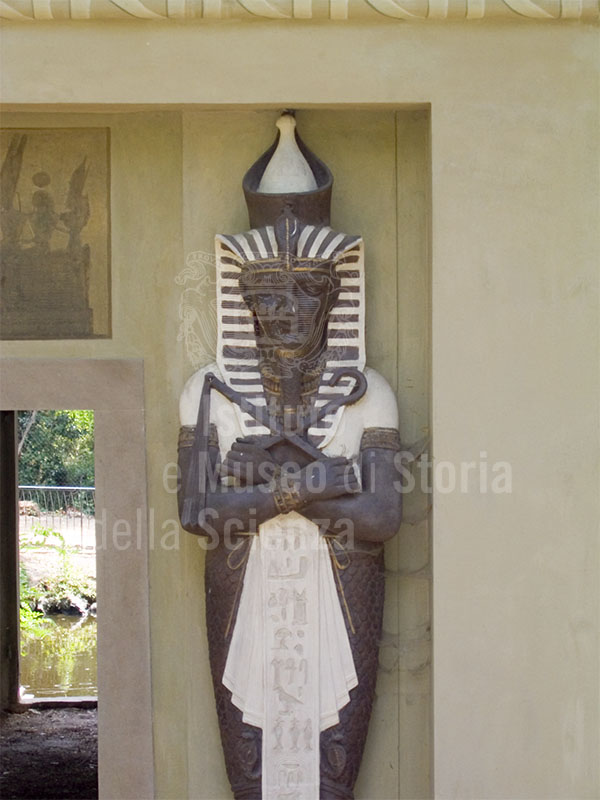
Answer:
(368, 10)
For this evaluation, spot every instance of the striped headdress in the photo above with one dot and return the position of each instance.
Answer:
(237, 354)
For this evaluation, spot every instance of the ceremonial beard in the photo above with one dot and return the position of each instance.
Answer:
(291, 378)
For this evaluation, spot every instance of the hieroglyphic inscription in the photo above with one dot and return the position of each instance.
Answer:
(290, 755)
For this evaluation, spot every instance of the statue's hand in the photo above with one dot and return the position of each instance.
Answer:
(249, 462)
(328, 478)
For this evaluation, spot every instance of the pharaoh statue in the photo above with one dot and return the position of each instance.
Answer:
(288, 452)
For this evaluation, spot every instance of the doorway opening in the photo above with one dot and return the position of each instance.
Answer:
(57, 555)
(47, 538)
(114, 389)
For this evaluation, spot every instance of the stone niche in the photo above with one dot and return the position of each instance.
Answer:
(55, 223)
(380, 160)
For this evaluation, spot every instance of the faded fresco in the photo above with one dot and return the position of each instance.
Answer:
(55, 246)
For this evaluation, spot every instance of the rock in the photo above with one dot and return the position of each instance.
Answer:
(67, 604)
(44, 604)
(75, 605)
(28, 508)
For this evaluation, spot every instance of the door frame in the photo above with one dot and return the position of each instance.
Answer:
(114, 390)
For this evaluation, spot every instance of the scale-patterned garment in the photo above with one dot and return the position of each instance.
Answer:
(237, 355)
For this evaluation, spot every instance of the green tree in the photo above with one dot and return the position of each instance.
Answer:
(56, 448)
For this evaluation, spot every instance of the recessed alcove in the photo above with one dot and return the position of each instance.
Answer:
(175, 182)
(380, 159)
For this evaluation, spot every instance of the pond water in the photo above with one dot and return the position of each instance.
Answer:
(62, 662)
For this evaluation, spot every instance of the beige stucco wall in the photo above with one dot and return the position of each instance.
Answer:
(514, 316)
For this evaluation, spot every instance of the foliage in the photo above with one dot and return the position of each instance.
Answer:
(39, 536)
(58, 651)
(55, 591)
(58, 448)
(33, 624)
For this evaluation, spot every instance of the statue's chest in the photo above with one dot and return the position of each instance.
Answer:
(346, 441)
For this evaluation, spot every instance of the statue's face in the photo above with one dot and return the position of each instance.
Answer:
(290, 308)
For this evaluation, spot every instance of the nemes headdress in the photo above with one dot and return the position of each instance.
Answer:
(288, 194)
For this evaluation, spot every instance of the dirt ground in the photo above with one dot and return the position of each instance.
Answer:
(49, 755)
(76, 532)
(42, 563)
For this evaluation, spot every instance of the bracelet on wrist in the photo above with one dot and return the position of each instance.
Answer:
(286, 494)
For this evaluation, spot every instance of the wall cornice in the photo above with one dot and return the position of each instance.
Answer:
(368, 10)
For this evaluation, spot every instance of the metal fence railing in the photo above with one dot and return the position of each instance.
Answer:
(69, 510)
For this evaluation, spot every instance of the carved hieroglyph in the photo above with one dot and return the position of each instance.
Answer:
(290, 629)
(23, 10)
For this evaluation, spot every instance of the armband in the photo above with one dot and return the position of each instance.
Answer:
(381, 438)
(286, 494)
(187, 434)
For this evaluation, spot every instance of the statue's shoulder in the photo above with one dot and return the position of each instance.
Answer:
(190, 396)
(380, 406)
